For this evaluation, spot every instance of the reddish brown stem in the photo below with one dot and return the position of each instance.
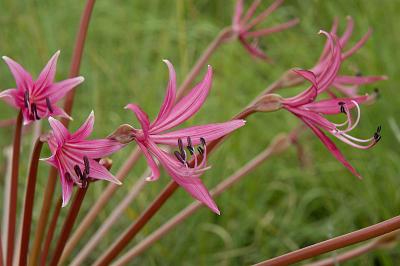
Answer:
(12, 210)
(335, 243)
(1, 250)
(69, 100)
(50, 232)
(29, 199)
(68, 225)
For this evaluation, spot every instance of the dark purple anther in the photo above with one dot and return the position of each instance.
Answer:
(48, 103)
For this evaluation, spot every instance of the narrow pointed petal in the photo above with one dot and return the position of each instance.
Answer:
(97, 171)
(46, 77)
(315, 118)
(209, 132)
(253, 50)
(22, 78)
(250, 11)
(331, 106)
(97, 148)
(274, 29)
(187, 106)
(86, 129)
(332, 147)
(67, 187)
(238, 13)
(11, 97)
(169, 100)
(59, 112)
(348, 32)
(50, 160)
(58, 90)
(308, 95)
(358, 45)
(155, 172)
(354, 80)
(141, 116)
(60, 133)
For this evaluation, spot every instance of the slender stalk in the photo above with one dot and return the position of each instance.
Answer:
(278, 145)
(342, 241)
(50, 233)
(68, 224)
(1, 251)
(29, 199)
(222, 37)
(12, 209)
(69, 100)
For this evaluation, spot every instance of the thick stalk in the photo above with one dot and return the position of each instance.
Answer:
(69, 100)
(335, 243)
(12, 209)
(29, 199)
(223, 36)
(68, 224)
(278, 145)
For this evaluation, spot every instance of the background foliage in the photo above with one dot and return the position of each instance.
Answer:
(279, 207)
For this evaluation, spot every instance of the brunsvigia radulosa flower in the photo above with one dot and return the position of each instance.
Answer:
(243, 26)
(76, 158)
(37, 98)
(187, 163)
(313, 112)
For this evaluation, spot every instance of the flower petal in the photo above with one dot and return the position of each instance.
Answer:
(141, 116)
(332, 106)
(308, 95)
(60, 133)
(11, 97)
(209, 132)
(94, 149)
(58, 90)
(67, 186)
(22, 78)
(57, 111)
(354, 80)
(238, 13)
(253, 49)
(187, 106)
(155, 172)
(46, 77)
(169, 100)
(86, 129)
(97, 171)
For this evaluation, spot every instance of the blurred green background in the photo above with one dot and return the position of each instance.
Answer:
(282, 205)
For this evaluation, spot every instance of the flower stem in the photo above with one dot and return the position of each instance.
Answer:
(69, 99)
(50, 232)
(134, 156)
(1, 249)
(29, 199)
(68, 224)
(342, 241)
(12, 209)
(278, 145)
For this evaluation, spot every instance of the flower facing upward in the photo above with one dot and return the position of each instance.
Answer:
(243, 24)
(77, 158)
(37, 98)
(313, 112)
(185, 166)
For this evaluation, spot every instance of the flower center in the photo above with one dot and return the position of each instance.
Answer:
(181, 155)
(29, 103)
(81, 174)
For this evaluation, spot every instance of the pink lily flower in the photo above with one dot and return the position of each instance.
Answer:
(182, 170)
(37, 98)
(313, 112)
(347, 85)
(243, 24)
(76, 158)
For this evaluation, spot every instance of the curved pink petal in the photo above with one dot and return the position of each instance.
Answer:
(313, 117)
(11, 97)
(60, 133)
(348, 32)
(169, 100)
(141, 116)
(155, 172)
(22, 78)
(238, 13)
(253, 49)
(354, 80)
(357, 46)
(331, 147)
(270, 30)
(86, 129)
(46, 77)
(58, 90)
(308, 95)
(67, 186)
(250, 11)
(332, 106)
(95, 149)
(97, 171)
(209, 132)
(187, 106)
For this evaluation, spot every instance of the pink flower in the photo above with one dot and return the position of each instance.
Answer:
(242, 26)
(182, 170)
(313, 112)
(76, 158)
(37, 99)
(347, 85)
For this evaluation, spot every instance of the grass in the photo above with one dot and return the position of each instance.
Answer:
(280, 206)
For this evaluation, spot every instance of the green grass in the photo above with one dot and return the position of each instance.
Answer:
(280, 206)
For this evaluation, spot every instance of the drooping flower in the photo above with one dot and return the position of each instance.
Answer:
(76, 158)
(313, 112)
(185, 166)
(37, 98)
(243, 25)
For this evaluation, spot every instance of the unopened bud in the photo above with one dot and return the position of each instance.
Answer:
(268, 103)
(123, 134)
(106, 162)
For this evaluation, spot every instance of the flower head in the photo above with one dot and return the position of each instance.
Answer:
(76, 158)
(313, 112)
(242, 26)
(37, 98)
(187, 164)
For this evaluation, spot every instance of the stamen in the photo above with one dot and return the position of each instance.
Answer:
(87, 165)
(49, 105)
(377, 134)
(34, 112)
(190, 146)
(78, 171)
(342, 110)
(203, 142)
(179, 157)
(67, 176)
(26, 99)
(201, 150)
(180, 145)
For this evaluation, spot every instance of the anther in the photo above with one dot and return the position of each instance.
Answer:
(49, 105)
(190, 145)
(203, 142)
(342, 109)
(178, 156)
(377, 134)
(26, 99)
(67, 176)
(181, 149)
(359, 74)
(87, 165)
(78, 171)
(377, 93)
(34, 112)
(201, 150)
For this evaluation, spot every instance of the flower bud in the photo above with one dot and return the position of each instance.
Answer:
(123, 134)
(268, 103)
